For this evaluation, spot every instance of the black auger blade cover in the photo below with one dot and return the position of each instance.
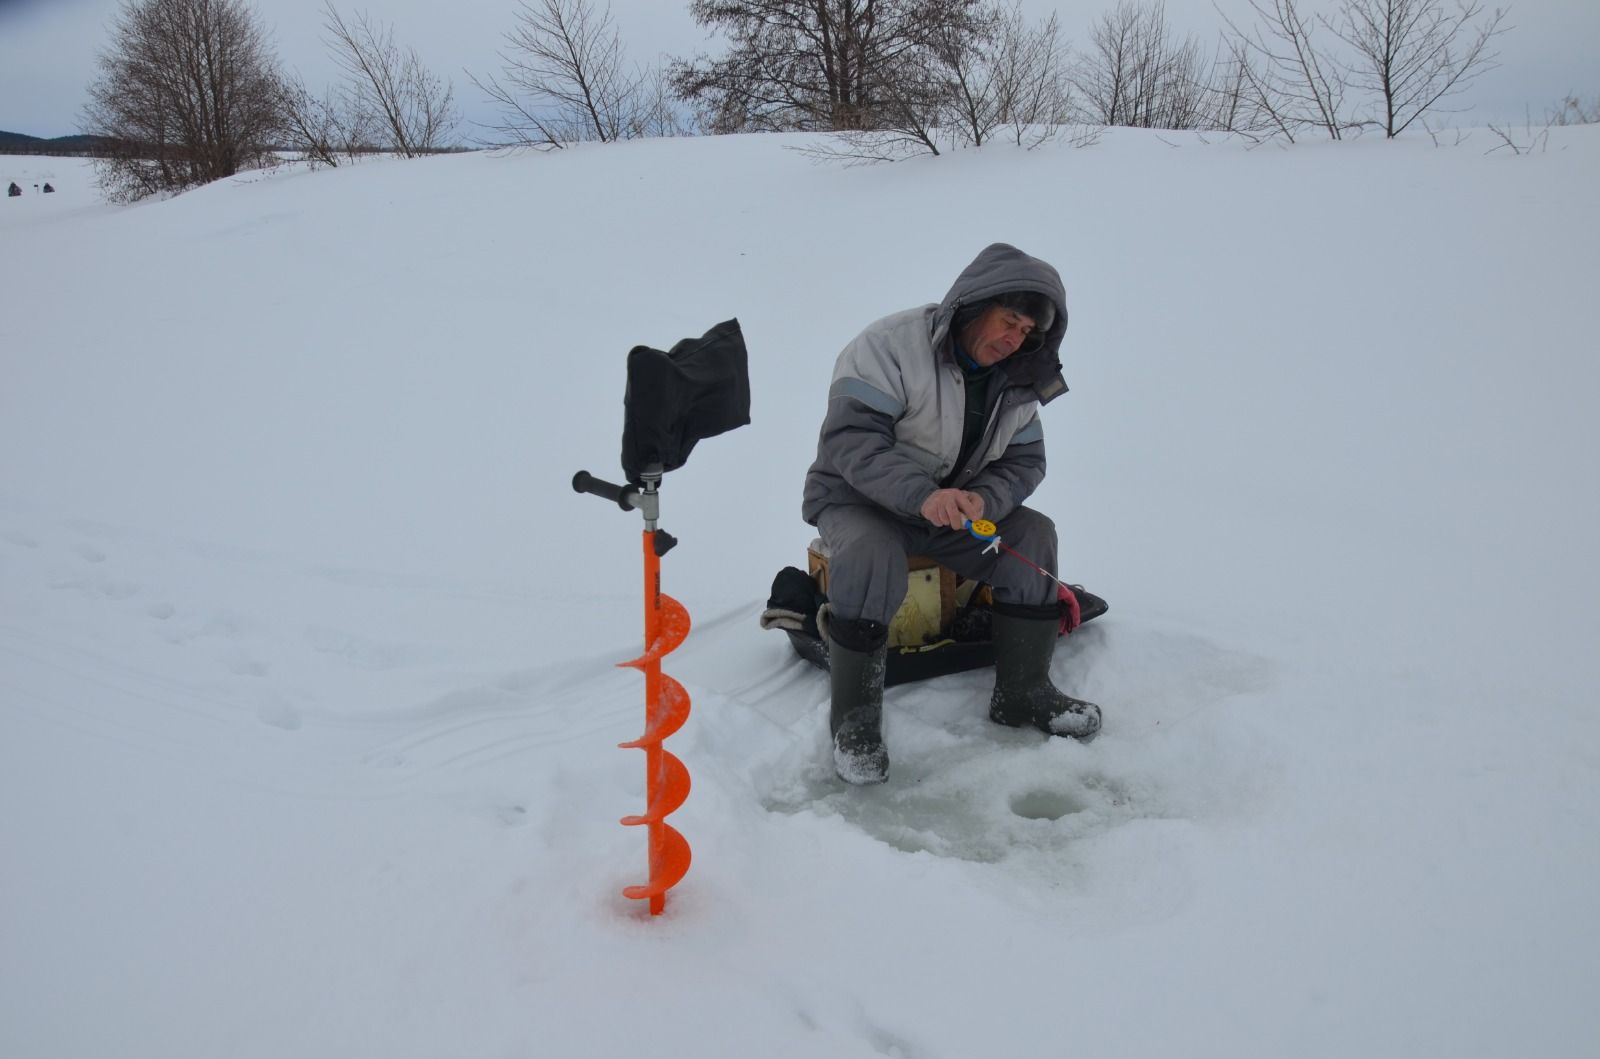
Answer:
(698, 389)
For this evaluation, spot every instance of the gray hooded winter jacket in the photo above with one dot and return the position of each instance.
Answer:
(892, 434)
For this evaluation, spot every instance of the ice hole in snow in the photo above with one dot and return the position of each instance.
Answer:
(1046, 804)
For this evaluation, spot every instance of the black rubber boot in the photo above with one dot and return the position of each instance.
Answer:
(1024, 640)
(855, 664)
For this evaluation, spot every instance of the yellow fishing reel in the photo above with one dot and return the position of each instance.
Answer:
(983, 529)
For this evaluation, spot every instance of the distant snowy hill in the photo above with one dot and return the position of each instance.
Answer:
(308, 698)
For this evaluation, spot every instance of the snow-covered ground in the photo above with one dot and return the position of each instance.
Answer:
(308, 712)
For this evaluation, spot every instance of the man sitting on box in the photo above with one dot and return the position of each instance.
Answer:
(933, 420)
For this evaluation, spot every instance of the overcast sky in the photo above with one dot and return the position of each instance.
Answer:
(48, 47)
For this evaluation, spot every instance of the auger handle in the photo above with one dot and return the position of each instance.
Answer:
(621, 495)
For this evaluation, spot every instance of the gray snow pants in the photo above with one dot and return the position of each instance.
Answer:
(868, 549)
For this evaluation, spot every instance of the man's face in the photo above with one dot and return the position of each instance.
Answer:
(995, 335)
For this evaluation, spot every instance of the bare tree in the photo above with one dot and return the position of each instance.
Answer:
(1032, 85)
(1574, 111)
(325, 129)
(188, 93)
(1003, 75)
(1232, 104)
(999, 75)
(566, 80)
(1253, 97)
(659, 110)
(1415, 53)
(1531, 140)
(956, 87)
(1289, 83)
(1137, 74)
(389, 86)
(815, 64)
(309, 125)
(910, 111)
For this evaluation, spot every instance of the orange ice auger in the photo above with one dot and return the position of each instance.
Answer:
(697, 390)
(666, 624)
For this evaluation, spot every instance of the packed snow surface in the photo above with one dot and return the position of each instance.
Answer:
(308, 697)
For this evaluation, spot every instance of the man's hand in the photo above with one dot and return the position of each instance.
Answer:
(952, 508)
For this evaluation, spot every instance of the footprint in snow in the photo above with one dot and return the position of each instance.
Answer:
(278, 715)
(245, 667)
(99, 584)
(509, 815)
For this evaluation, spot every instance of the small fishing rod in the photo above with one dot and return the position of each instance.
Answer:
(989, 533)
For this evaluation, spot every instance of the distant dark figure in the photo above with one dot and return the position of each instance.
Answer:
(13, 190)
(48, 190)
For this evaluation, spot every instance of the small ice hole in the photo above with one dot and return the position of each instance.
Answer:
(1045, 805)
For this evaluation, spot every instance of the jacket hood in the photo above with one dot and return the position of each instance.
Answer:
(998, 268)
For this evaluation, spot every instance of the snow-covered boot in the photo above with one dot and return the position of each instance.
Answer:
(855, 664)
(1024, 639)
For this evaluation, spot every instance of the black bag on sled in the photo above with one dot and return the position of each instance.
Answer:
(944, 625)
